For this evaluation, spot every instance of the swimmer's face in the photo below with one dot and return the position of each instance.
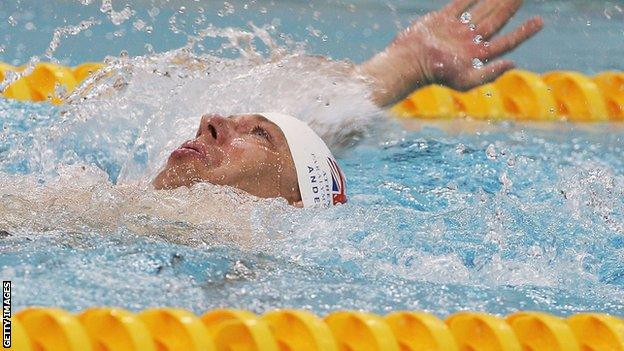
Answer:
(247, 152)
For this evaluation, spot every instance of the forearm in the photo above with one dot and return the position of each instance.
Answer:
(392, 77)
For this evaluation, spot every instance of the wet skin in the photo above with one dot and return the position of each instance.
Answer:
(247, 152)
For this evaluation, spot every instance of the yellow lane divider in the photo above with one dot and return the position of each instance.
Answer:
(46, 81)
(171, 329)
(517, 94)
(523, 95)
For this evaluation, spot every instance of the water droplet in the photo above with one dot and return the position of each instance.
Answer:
(59, 90)
(478, 39)
(153, 12)
(182, 9)
(507, 183)
(460, 148)
(490, 152)
(476, 63)
(139, 25)
(465, 17)
(12, 21)
(30, 26)
(472, 26)
(588, 23)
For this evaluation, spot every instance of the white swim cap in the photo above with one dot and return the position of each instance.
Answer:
(321, 182)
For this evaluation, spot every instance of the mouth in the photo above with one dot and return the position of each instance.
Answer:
(192, 148)
(195, 146)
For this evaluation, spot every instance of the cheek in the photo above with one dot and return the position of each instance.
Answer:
(248, 152)
(251, 158)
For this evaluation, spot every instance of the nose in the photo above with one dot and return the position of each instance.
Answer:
(214, 128)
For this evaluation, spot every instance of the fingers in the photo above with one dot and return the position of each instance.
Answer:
(484, 9)
(490, 22)
(457, 7)
(490, 71)
(510, 41)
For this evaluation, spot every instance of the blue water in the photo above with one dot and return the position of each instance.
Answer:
(442, 216)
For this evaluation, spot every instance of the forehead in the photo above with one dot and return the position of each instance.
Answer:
(252, 118)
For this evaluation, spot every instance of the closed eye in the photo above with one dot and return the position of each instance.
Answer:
(261, 132)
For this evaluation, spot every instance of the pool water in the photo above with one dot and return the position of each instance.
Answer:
(442, 217)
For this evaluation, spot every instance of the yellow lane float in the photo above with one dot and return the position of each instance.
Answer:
(53, 329)
(542, 332)
(175, 329)
(611, 85)
(516, 95)
(482, 332)
(116, 329)
(238, 330)
(18, 90)
(577, 96)
(415, 331)
(299, 330)
(361, 331)
(526, 96)
(171, 329)
(595, 331)
(46, 81)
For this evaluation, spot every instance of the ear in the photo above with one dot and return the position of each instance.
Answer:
(298, 204)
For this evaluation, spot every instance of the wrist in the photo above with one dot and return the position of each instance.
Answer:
(393, 75)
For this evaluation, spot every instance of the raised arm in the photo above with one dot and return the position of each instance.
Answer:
(456, 46)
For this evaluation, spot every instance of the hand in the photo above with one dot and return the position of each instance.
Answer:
(455, 46)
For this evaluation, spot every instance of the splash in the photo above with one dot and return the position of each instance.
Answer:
(125, 120)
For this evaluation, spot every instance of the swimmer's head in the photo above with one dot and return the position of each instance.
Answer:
(268, 155)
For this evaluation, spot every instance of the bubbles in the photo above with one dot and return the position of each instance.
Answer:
(70, 30)
(314, 32)
(228, 9)
(116, 17)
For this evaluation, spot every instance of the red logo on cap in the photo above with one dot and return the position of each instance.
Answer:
(339, 184)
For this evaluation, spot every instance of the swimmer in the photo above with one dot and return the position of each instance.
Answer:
(271, 155)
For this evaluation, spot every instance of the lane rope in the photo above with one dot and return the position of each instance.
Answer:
(516, 95)
(172, 329)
